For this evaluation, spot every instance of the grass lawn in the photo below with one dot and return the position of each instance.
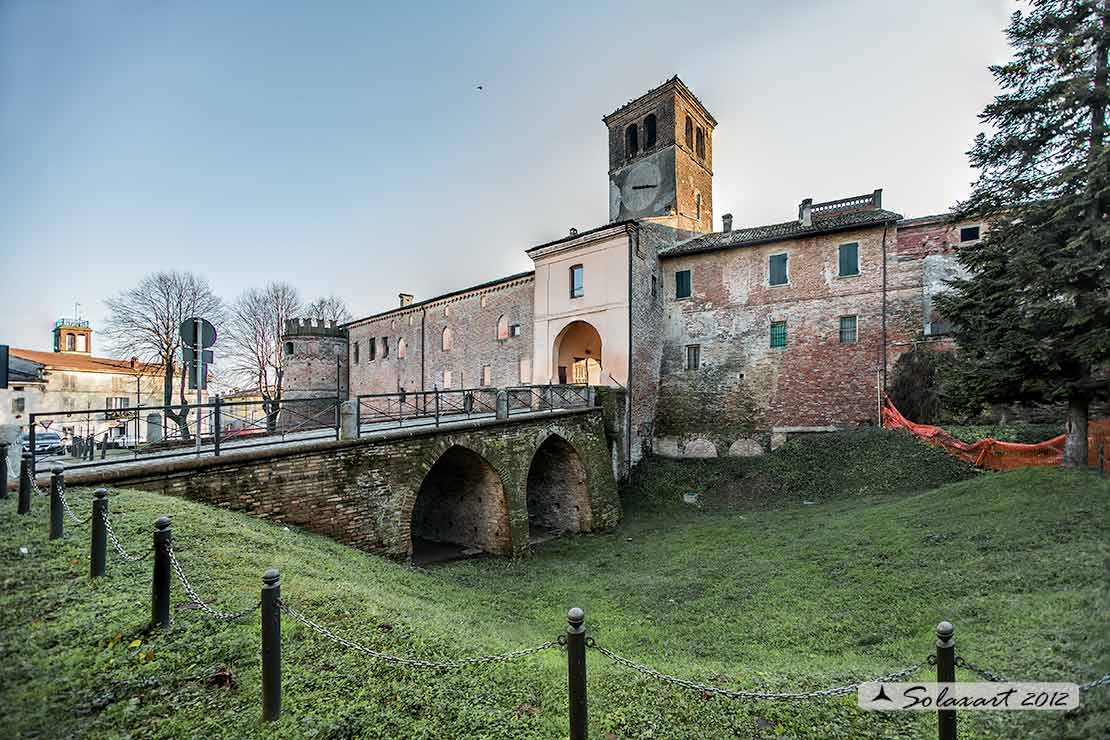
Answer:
(752, 590)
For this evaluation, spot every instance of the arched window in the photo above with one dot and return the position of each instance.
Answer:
(631, 141)
(689, 132)
(402, 348)
(502, 327)
(701, 142)
(697, 205)
(356, 353)
(448, 339)
(289, 349)
(71, 342)
(649, 131)
(447, 310)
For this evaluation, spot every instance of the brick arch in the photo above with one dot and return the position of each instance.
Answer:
(557, 485)
(460, 501)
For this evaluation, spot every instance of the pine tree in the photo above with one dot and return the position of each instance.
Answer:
(1033, 316)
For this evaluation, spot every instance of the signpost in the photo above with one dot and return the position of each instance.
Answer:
(197, 335)
(3, 366)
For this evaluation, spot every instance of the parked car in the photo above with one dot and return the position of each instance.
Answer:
(46, 443)
(125, 442)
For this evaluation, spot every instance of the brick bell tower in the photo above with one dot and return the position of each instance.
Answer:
(661, 159)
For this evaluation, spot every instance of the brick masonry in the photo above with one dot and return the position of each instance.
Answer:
(365, 493)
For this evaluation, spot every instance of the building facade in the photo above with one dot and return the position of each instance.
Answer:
(725, 342)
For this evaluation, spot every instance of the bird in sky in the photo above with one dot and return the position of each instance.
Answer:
(480, 87)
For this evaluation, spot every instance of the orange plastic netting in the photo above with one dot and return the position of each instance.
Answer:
(990, 453)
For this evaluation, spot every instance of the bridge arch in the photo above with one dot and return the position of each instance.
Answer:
(557, 490)
(460, 508)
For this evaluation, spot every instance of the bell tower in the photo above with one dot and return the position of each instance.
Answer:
(661, 159)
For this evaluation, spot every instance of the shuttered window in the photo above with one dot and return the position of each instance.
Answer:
(849, 259)
(682, 284)
(778, 333)
(848, 330)
(777, 269)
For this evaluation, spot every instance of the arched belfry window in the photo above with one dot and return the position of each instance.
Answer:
(631, 141)
(701, 142)
(649, 131)
(448, 339)
(503, 327)
(689, 132)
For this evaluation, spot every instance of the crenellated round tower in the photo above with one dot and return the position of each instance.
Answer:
(315, 365)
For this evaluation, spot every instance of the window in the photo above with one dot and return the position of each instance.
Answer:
(649, 131)
(778, 333)
(777, 270)
(356, 353)
(402, 348)
(693, 356)
(502, 327)
(71, 342)
(654, 286)
(288, 349)
(577, 286)
(487, 376)
(371, 349)
(483, 300)
(847, 329)
(701, 143)
(969, 234)
(446, 379)
(446, 311)
(448, 339)
(689, 133)
(515, 330)
(682, 287)
(697, 205)
(525, 370)
(849, 259)
(631, 141)
(385, 347)
(19, 406)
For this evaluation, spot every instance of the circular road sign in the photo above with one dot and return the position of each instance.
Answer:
(189, 333)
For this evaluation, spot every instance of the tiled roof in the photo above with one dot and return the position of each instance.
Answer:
(779, 232)
(84, 363)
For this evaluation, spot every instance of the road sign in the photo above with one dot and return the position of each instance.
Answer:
(189, 332)
(3, 366)
(191, 369)
(190, 355)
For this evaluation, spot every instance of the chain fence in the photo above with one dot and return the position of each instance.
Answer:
(68, 511)
(997, 677)
(442, 665)
(685, 683)
(194, 597)
(118, 546)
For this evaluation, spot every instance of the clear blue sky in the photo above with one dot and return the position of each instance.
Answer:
(343, 147)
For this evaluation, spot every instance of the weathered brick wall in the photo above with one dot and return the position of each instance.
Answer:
(744, 389)
(364, 492)
(472, 317)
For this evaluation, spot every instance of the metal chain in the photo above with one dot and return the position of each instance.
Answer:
(194, 598)
(761, 695)
(69, 511)
(118, 546)
(416, 662)
(1104, 681)
(989, 675)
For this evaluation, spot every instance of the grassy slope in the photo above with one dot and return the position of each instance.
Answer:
(784, 598)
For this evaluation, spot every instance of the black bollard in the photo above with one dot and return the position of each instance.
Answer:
(99, 551)
(4, 469)
(25, 484)
(57, 522)
(271, 645)
(946, 673)
(576, 672)
(160, 590)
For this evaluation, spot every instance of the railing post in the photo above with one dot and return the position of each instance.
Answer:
(436, 391)
(90, 448)
(946, 673)
(99, 549)
(25, 484)
(3, 469)
(160, 589)
(358, 417)
(57, 523)
(31, 442)
(104, 446)
(271, 645)
(216, 424)
(576, 672)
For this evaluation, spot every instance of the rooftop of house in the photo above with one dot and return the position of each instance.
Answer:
(813, 219)
(78, 362)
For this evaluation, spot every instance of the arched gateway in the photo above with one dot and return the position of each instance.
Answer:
(577, 354)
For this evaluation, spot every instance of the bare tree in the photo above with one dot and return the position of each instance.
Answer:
(331, 308)
(256, 323)
(144, 321)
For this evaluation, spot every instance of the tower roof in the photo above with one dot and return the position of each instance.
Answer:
(679, 87)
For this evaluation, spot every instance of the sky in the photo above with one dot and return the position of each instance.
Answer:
(343, 146)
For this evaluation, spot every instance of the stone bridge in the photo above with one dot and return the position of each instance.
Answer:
(426, 493)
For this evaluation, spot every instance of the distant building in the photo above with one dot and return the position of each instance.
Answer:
(71, 379)
(726, 341)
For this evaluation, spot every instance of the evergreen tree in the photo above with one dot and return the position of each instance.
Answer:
(1032, 319)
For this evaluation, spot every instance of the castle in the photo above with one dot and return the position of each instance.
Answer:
(725, 342)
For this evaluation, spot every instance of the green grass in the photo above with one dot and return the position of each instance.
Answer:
(1023, 433)
(749, 592)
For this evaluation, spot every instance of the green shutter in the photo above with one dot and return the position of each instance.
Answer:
(778, 333)
(777, 268)
(849, 259)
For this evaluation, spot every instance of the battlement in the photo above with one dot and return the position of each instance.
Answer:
(314, 328)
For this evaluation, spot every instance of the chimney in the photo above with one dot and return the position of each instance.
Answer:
(573, 231)
(134, 362)
(726, 222)
(805, 212)
(406, 299)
